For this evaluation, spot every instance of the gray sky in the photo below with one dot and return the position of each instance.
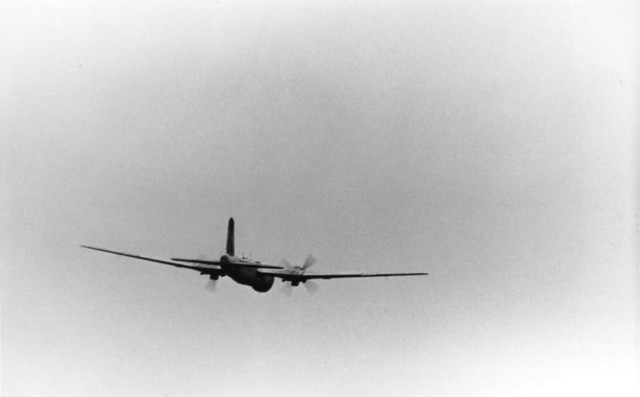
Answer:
(489, 143)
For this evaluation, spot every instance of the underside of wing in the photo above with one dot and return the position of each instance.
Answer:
(292, 276)
(203, 268)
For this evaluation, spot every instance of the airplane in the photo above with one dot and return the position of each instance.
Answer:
(255, 274)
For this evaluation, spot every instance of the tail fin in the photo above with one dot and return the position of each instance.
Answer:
(230, 245)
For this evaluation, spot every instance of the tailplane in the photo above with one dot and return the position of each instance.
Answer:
(230, 244)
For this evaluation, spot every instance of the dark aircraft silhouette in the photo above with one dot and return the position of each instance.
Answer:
(259, 276)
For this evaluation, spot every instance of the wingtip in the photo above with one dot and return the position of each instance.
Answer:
(90, 247)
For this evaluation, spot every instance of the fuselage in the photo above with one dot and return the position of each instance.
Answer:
(245, 275)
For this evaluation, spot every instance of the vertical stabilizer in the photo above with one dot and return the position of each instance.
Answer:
(230, 245)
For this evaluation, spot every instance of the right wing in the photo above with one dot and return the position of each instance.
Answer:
(208, 268)
(293, 276)
(326, 276)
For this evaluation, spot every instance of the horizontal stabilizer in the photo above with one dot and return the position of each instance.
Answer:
(243, 264)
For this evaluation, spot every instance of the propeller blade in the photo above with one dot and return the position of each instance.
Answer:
(284, 262)
(287, 289)
(211, 285)
(311, 287)
(310, 261)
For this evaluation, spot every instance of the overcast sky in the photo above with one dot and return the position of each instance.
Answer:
(489, 143)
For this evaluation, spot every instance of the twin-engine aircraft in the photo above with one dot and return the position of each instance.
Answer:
(259, 276)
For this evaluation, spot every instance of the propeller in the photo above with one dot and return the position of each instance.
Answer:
(287, 289)
(310, 286)
(284, 262)
(212, 283)
(310, 261)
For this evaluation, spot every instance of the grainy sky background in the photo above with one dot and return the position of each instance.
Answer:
(490, 143)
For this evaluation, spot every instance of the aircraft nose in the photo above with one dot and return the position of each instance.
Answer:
(224, 258)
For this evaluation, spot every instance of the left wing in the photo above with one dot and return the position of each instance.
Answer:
(210, 268)
(293, 276)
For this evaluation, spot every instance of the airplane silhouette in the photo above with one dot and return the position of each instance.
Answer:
(260, 276)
